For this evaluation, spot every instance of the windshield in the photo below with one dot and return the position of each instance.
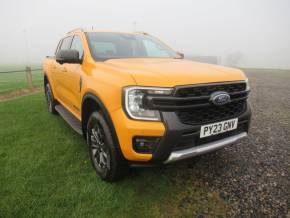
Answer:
(106, 46)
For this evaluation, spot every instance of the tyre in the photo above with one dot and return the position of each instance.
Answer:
(51, 102)
(106, 159)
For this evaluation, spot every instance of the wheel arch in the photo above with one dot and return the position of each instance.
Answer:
(91, 103)
(45, 79)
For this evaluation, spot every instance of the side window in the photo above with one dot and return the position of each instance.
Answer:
(77, 45)
(66, 42)
(58, 47)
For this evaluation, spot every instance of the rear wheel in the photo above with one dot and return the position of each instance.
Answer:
(105, 157)
(51, 102)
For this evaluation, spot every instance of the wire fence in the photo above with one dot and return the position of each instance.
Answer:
(11, 80)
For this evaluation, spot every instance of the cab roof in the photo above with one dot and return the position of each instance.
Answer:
(78, 30)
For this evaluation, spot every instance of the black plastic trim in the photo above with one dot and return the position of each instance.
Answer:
(174, 131)
(107, 117)
(206, 84)
(189, 102)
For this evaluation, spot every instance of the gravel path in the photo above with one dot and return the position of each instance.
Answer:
(253, 176)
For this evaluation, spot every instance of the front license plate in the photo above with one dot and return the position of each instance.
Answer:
(219, 127)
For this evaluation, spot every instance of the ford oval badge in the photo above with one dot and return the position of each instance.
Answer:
(220, 98)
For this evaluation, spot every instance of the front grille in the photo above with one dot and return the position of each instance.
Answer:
(209, 113)
(193, 106)
(212, 113)
(206, 90)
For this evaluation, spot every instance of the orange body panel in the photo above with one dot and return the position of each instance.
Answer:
(107, 79)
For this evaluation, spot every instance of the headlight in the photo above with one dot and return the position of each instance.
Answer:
(134, 98)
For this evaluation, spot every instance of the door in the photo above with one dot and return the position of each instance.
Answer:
(59, 72)
(73, 81)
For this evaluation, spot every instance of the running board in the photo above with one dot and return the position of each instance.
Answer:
(69, 118)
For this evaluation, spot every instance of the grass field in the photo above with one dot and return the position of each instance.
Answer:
(45, 172)
(14, 81)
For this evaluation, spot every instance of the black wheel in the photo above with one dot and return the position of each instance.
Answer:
(51, 103)
(106, 159)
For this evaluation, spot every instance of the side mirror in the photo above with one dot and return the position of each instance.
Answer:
(68, 56)
(181, 55)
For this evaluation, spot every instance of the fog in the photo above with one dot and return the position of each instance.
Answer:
(242, 33)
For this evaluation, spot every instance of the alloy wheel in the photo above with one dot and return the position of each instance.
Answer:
(100, 153)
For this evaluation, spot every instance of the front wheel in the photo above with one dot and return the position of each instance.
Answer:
(105, 157)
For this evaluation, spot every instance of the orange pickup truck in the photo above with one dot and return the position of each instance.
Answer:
(138, 102)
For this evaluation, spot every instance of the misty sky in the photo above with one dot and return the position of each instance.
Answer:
(245, 33)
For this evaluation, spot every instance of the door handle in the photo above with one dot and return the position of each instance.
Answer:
(63, 69)
(81, 83)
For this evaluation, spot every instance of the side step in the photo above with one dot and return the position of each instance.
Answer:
(69, 118)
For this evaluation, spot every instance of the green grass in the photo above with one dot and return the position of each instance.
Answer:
(45, 172)
(14, 81)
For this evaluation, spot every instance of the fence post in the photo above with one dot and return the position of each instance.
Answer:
(29, 77)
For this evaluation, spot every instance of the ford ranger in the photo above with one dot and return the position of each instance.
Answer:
(137, 102)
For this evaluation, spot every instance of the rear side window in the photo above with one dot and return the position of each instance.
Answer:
(77, 45)
(58, 46)
(66, 42)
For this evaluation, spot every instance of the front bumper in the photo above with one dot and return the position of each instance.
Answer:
(173, 133)
(205, 148)
(177, 133)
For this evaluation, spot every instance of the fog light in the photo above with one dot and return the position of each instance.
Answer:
(145, 144)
